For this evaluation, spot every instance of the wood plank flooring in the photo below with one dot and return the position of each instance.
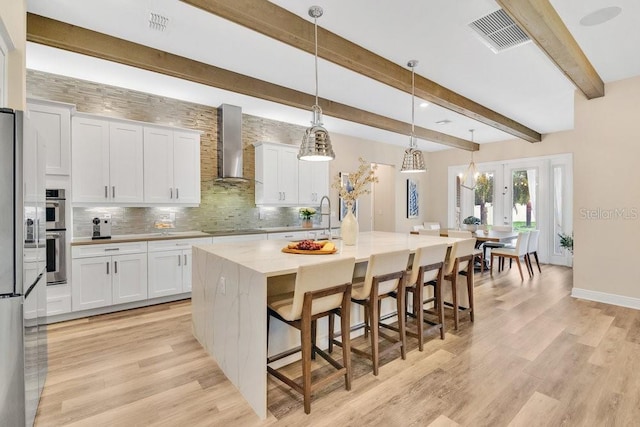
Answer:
(533, 357)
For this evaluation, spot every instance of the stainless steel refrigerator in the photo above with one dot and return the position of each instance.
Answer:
(23, 348)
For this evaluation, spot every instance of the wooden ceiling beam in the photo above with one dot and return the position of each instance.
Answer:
(282, 25)
(65, 36)
(544, 26)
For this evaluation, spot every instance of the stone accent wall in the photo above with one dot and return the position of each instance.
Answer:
(224, 205)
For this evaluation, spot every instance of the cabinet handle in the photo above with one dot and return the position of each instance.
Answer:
(179, 260)
(171, 193)
(107, 267)
(106, 191)
(185, 259)
(177, 193)
(113, 191)
(115, 267)
(111, 249)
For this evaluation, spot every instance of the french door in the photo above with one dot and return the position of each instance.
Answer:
(525, 193)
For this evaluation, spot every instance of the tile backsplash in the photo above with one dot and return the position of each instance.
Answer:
(224, 205)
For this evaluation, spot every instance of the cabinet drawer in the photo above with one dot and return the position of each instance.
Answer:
(58, 299)
(86, 251)
(240, 238)
(169, 245)
(290, 235)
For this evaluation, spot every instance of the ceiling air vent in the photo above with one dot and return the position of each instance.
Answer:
(498, 30)
(158, 22)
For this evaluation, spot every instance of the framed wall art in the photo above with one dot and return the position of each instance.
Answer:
(413, 205)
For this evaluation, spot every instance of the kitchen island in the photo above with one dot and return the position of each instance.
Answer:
(231, 282)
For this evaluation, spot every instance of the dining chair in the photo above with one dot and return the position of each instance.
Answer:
(385, 277)
(517, 252)
(532, 249)
(427, 270)
(319, 290)
(460, 261)
(429, 232)
(466, 234)
(431, 225)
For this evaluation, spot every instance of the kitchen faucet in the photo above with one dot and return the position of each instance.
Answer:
(328, 214)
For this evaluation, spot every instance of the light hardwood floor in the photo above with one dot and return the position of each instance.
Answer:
(534, 356)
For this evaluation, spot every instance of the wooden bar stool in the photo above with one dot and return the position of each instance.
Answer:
(320, 290)
(427, 270)
(385, 277)
(460, 262)
(477, 252)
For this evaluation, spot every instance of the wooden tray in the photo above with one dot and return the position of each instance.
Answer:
(303, 252)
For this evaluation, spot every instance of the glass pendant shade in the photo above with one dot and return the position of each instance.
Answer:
(316, 143)
(413, 161)
(471, 171)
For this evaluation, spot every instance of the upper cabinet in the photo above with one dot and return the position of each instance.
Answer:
(107, 161)
(118, 162)
(53, 122)
(313, 182)
(283, 180)
(276, 174)
(171, 166)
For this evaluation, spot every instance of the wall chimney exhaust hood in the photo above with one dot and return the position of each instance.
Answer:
(230, 143)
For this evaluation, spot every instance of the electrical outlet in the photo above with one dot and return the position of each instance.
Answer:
(222, 285)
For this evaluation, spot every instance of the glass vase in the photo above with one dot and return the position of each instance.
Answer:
(349, 228)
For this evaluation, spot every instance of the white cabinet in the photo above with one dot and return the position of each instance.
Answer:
(313, 182)
(107, 162)
(58, 299)
(108, 274)
(53, 122)
(276, 174)
(170, 266)
(171, 166)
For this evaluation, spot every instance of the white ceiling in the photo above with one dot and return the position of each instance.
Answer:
(520, 83)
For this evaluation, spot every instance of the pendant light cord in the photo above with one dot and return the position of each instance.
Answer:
(315, 24)
(413, 105)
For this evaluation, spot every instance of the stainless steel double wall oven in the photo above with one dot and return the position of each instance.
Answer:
(56, 237)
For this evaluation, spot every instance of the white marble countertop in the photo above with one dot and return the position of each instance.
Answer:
(266, 256)
(123, 238)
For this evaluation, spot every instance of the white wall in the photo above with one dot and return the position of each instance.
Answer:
(13, 26)
(606, 146)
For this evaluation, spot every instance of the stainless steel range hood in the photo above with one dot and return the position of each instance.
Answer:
(230, 143)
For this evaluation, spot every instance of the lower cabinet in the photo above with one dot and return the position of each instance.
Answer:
(170, 266)
(107, 274)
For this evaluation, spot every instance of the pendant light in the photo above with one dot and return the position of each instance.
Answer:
(471, 171)
(413, 160)
(316, 143)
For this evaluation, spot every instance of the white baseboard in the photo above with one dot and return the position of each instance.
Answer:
(606, 298)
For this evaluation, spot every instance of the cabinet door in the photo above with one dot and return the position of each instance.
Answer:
(288, 175)
(54, 123)
(186, 167)
(126, 163)
(313, 182)
(165, 273)
(90, 164)
(158, 166)
(186, 270)
(91, 283)
(267, 185)
(129, 279)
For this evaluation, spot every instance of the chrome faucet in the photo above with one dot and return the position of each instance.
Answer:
(328, 214)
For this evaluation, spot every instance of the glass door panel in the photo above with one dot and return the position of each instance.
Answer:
(524, 184)
(484, 198)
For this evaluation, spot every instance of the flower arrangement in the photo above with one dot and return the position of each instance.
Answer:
(307, 213)
(471, 220)
(357, 185)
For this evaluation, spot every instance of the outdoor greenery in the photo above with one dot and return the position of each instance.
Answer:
(484, 194)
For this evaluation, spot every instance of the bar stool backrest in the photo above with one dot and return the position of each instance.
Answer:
(460, 234)
(434, 232)
(385, 263)
(427, 255)
(459, 249)
(321, 276)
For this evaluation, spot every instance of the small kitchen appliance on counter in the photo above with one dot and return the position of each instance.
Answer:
(101, 228)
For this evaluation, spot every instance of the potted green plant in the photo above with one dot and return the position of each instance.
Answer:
(306, 214)
(566, 241)
(471, 223)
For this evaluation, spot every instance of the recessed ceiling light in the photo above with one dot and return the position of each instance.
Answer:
(600, 16)
(424, 104)
(443, 122)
